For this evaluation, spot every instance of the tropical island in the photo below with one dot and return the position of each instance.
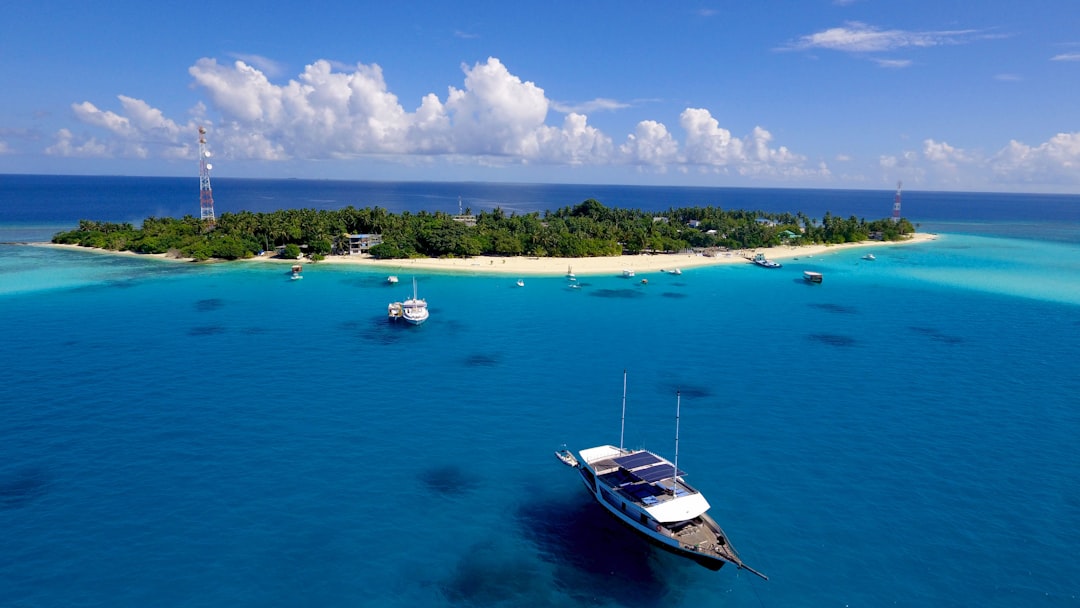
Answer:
(586, 230)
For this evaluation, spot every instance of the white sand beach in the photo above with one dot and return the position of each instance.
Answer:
(532, 266)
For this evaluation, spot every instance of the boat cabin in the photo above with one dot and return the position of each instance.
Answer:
(647, 480)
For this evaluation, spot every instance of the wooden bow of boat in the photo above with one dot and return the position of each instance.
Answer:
(704, 535)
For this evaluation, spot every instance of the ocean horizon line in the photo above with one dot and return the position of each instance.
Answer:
(885, 187)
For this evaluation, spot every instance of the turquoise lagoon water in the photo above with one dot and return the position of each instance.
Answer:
(206, 435)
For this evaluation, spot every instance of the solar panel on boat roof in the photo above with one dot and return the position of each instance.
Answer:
(639, 459)
(656, 473)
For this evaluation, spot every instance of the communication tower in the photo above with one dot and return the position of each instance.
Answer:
(896, 203)
(206, 197)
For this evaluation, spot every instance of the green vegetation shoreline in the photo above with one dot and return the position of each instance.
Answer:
(586, 230)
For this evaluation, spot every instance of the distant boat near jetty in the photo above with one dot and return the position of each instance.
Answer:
(760, 260)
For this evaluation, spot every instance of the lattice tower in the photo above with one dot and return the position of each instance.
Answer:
(896, 203)
(206, 196)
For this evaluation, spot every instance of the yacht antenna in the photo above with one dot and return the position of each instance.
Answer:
(675, 466)
(622, 429)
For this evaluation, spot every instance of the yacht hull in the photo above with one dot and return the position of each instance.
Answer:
(654, 536)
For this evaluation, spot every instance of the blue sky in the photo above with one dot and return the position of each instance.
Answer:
(944, 95)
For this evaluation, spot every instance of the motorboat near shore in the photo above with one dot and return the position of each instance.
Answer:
(811, 277)
(760, 260)
(413, 311)
(394, 311)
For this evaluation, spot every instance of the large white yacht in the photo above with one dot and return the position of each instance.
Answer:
(648, 493)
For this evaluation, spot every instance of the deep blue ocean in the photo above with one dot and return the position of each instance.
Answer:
(173, 434)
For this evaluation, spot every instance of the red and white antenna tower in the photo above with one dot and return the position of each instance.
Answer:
(206, 197)
(896, 203)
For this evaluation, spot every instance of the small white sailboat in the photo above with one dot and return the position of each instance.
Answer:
(570, 273)
(414, 310)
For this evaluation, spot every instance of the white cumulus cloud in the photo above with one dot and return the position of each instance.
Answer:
(650, 144)
(943, 154)
(336, 111)
(1054, 161)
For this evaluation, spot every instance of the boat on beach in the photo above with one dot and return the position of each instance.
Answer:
(811, 277)
(647, 492)
(760, 260)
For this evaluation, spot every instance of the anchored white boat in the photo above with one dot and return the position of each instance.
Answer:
(414, 310)
(647, 492)
(392, 279)
(296, 272)
(869, 256)
(566, 457)
(570, 273)
(760, 260)
(627, 273)
(811, 277)
(394, 311)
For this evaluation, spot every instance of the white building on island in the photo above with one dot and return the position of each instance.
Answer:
(361, 243)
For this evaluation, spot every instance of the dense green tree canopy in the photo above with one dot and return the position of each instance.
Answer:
(584, 230)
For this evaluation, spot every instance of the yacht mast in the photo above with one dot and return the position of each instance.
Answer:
(675, 466)
(622, 428)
